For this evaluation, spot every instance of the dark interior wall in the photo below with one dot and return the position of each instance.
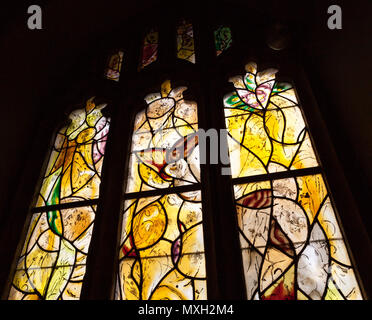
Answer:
(40, 66)
(339, 66)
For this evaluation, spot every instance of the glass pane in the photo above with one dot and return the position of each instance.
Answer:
(162, 249)
(74, 169)
(150, 48)
(53, 258)
(291, 242)
(222, 39)
(114, 66)
(165, 151)
(185, 41)
(267, 132)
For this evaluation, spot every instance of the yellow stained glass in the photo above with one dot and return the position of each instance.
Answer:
(74, 168)
(292, 244)
(185, 41)
(52, 262)
(265, 125)
(53, 258)
(162, 249)
(167, 127)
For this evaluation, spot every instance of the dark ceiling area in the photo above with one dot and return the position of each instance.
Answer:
(36, 63)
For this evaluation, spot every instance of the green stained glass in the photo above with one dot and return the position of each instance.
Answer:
(222, 39)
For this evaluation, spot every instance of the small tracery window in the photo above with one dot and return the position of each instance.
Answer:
(222, 39)
(150, 48)
(53, 259)
(291, 242)
(185, 41)
(162, 248)
(114, 66)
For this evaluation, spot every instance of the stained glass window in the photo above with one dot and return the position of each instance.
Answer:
(222, 39)
(162, 248)
(291, 241)
(113, 69)
(52, 262)
(167, 125)
(150, 48)
(185, 41)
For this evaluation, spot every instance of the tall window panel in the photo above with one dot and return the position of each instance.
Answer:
(161, 253)
(292, 245)
(52, 263)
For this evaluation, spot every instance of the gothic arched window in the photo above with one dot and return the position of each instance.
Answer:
(292, 244)
(52, 263)
(162, 248)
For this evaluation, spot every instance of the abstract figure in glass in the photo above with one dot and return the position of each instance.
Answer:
(164, 130)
